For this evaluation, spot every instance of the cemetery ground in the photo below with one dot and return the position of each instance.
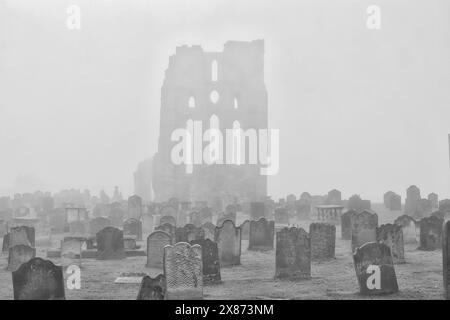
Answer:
(419, 278)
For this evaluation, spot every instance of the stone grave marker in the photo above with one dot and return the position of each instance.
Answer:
(392, 236)
(71, 251)
(431, 233)
(228, 238)
(375, 269)
(364, 228)
(210, 261)
(293, 254)
(261, 235)
(155, 248)
(408, 225)
(152, 288)
(19, 254)
(110, 244)
(133, 227)
(38, 279)
(323, 240)
(183, 272)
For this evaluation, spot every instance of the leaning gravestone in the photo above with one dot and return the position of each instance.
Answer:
(168, 219)
(281, 216)
(293, 254)
(155, 248)
(110, 244)
(364, 229)
(210, 261)
(152, 289)
(375, 269)
(22, 235)
(19, 254)
(71, 251)
(408, 225)
(431, 233)
(346, 225)
(261, 235)
(188, 233)
(323, 240)
(133, 227)
(38, 279)
(97, 224)
(167, 228)
(228, 238)
(183, 271)
(209, 229)
(445, 258)
(392, 236)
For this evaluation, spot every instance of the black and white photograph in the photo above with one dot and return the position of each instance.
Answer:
(242, 151)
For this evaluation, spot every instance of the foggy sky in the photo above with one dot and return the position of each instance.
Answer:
(359, 110)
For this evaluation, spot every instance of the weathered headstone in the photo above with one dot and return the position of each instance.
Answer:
(155, 248)
(133, 227)
(183, 271)
(71, 251)
(293, 254)
(431, 233)
(209, 229)
(19, 254)
(261, 235)
(228, 238)
(346, 225)
(392, 236)
(210, 258)
(323, 240)
(408, 225)
(38, 279)
(375, 269)
(110, 244)
(152, 288)
(97, 224)
(22, 235)
(364, 225)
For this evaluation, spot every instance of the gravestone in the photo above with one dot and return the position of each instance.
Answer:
(412, 199)
(293, 254)
(188, 233)
(133, 227)
(19, 254)
(257, 210)
(38, 279)
(323, 240)
(408, 225)
(346, 225)
(445, 258)
(97, 224)
(281, 216)
(77, 227)
(152, 288)
(245, 230)
(167, 228)
(129, 243)
(364, 229)
(210, 261)
(168, 219)
(183, 271)
(22, 235)
(155, 248)
(110, 244)
(71, 251)
(392, 236)
(209, 229)
(228, 238)
(431, 233)
(375, 269)
(261, 235)
(135, 207)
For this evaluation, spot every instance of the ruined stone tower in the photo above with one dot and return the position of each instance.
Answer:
(198, 85)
